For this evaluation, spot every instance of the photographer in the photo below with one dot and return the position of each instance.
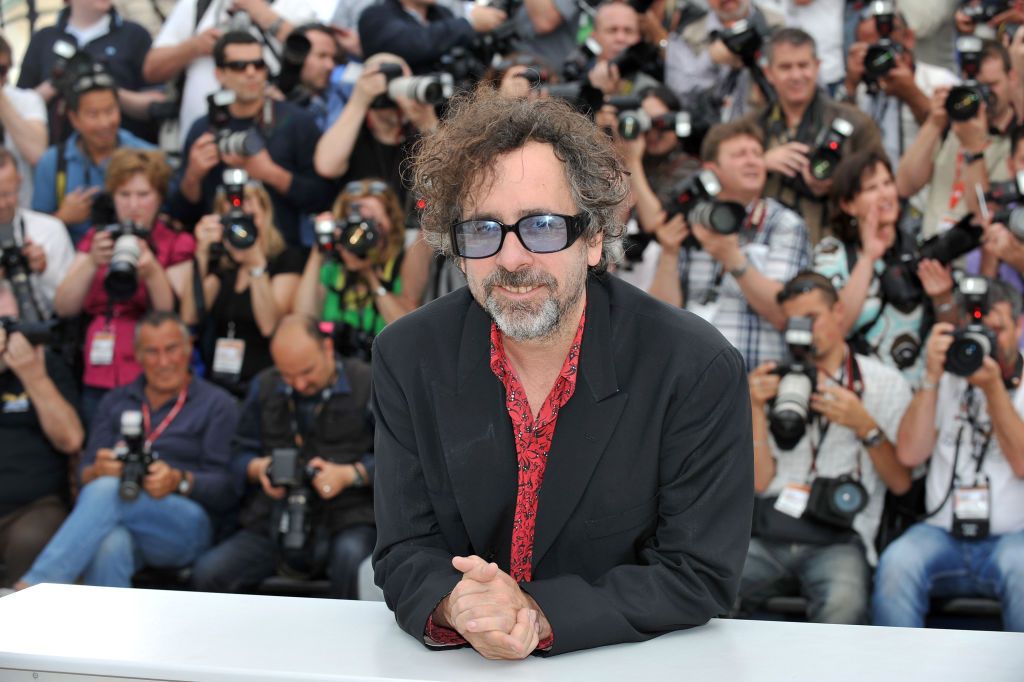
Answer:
(94, 28)
(284, 163)
(731, 277)
(800, 124)
(163, 513)
(71, 173)
(41, 240)
(421, 31)
(1002, 252)
(696, 60)
(885, 80)
(37, 442)
(23, 120)
(966, 421)
(821, 478)
(616, 29)
(375, 134)
(950, 165)
(362, 291)
(314, 406)
(245, 291)
(150, 266)
(887, 306)
(317, 87)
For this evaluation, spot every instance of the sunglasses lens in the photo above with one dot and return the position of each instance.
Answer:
(477, 238)
(544, 233)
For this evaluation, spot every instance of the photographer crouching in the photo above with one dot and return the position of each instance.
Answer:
(306, 442)
(155, 473)
(824, 454)
(966, 421)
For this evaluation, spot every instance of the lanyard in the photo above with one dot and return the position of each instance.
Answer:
(325, 395)
(981, 438)
(849, 375)
(158, 431)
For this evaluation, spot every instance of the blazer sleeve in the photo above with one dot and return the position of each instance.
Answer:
(689, 570)
(380, 30)
(412, 561)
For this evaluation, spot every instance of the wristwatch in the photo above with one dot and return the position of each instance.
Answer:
(741, 270)
(184, 487)
(873, 439)
(380, 291)
(257, 272)
(971, 157)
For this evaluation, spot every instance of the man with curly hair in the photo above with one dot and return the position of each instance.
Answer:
(562, 461)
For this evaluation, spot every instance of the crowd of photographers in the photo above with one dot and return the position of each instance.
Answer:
(204, 224)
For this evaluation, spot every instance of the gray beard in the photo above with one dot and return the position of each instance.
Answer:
(521, 322)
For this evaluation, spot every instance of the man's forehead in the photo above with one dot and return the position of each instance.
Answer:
(164, 334)
(241, 50)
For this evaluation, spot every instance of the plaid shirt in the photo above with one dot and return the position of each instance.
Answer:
(779, 249)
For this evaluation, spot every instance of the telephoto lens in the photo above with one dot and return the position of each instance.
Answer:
(433, 89)
(122, 273)
(134, 456)
(241, 143)
(724, 217)
(633, 124)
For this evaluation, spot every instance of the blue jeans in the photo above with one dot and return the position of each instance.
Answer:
(834, 578)
(928, 561)
(106, 540)
(247, 557)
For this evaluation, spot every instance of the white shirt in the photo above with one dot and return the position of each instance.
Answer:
(52, 236)
(886, 395)
(32, 108)
(1006, 490)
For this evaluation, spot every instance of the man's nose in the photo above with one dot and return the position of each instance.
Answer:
(513, 255)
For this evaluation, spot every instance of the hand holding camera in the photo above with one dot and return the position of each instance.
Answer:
(672, 232)
(331, 479)
(724, 248)
(789, 159)
(208, 231)
(605, 77)
(839, 405)
(764, 385)
(77, 205)
(21, 357)
(35, 256)
(203, 156)
(485, 19)
(160, 480)
(107, 463)
(101, 250)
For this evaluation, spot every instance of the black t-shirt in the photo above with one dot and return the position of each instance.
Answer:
(232, 306)
(30, 467)
(374, 159)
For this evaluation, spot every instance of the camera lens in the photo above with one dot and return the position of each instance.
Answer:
(963, 103)
(239, 230)
(848, 498)
(724, 217)
(788, 418)
(967, 354)
(241, 143)
(121, 279)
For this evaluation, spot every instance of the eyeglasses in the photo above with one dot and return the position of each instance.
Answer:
(542, 233)
(374, 188)
(240, 65)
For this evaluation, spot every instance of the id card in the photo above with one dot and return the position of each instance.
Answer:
(228, 356)
(792, 501)
(971, 507)
(101, 350)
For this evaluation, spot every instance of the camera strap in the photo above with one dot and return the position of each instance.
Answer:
(158, 431)
(293, 417)
(850, 376)
(981, 437)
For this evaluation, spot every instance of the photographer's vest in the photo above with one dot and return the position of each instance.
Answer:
(340, 433)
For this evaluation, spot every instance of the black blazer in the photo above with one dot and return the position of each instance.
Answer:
(644, 513)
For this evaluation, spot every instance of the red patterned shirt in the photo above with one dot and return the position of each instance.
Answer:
(533, 441)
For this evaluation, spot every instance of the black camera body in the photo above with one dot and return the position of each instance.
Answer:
(964, 100)
(287, 470)
(642, 57)
(135, 455)
(238, 142)
(880, 57)
(240, 229)
(836, 501)
(16, 270)
(356, 234)
(829, 149)
(984, 11)
(36, 333)
(122, 278)
(743, 40)
(696, 198)
(294, 52)
(974, 341)
(791, 409)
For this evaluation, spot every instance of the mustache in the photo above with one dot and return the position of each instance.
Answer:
(518, 278)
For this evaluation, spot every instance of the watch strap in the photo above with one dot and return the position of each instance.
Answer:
(971, 157)
(257, 272)
(873, 439)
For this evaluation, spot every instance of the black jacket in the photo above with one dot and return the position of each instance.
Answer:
(645, 509)
(387, 27)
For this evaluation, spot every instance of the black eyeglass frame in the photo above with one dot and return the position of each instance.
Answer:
(574, 227)
(242, 65)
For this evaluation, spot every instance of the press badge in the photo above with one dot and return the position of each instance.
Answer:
(971, 509)
(101, 351)
(792, 501)
(228, 356)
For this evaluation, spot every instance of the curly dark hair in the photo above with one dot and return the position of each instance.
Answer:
(846, 185)
(460, 157)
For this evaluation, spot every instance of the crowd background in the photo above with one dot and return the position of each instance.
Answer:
(205, 221)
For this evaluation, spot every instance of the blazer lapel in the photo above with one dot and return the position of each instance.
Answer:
(584, 425)
(476, 436)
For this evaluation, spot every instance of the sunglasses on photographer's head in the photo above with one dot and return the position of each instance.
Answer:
(373, 188)
(240, 65)
(540, 233)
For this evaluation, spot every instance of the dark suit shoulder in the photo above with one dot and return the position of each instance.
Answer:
(428, 327)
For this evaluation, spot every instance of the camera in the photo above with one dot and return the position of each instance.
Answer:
(239, 228)
(16, 270)
(640, 57)
(432, 89)
(237, 142)
(964, 100)
(974, 342)
(135, 454)
(696, 199)
(40, 333)
(1009, 198)
(829, 150)
(122, 277)
(984, 11)
(791, 409)
(743, 40)
(633, 120)
(880, 57)
(356, 234)
(293, 57)
(288, 470)
(836, 501)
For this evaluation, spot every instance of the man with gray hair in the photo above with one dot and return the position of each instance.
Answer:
(133, 509)
(562, 461)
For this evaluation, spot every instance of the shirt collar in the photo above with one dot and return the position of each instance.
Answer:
(136, 390)
(341, 385)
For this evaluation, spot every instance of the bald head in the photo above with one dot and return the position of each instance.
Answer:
(303, 356)
(616, 27)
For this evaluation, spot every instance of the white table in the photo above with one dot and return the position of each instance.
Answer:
(72, 633)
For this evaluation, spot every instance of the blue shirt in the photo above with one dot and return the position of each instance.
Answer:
(197, 440)
(81, 172)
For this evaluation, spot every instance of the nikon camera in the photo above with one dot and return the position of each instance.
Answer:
(135, 455)
(237, 142)
(974, 342)
(696, 198)
(356, 234)
(964, 100)
(122, 278)
(791, 410)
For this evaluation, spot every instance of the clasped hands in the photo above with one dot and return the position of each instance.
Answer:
(489, 610)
